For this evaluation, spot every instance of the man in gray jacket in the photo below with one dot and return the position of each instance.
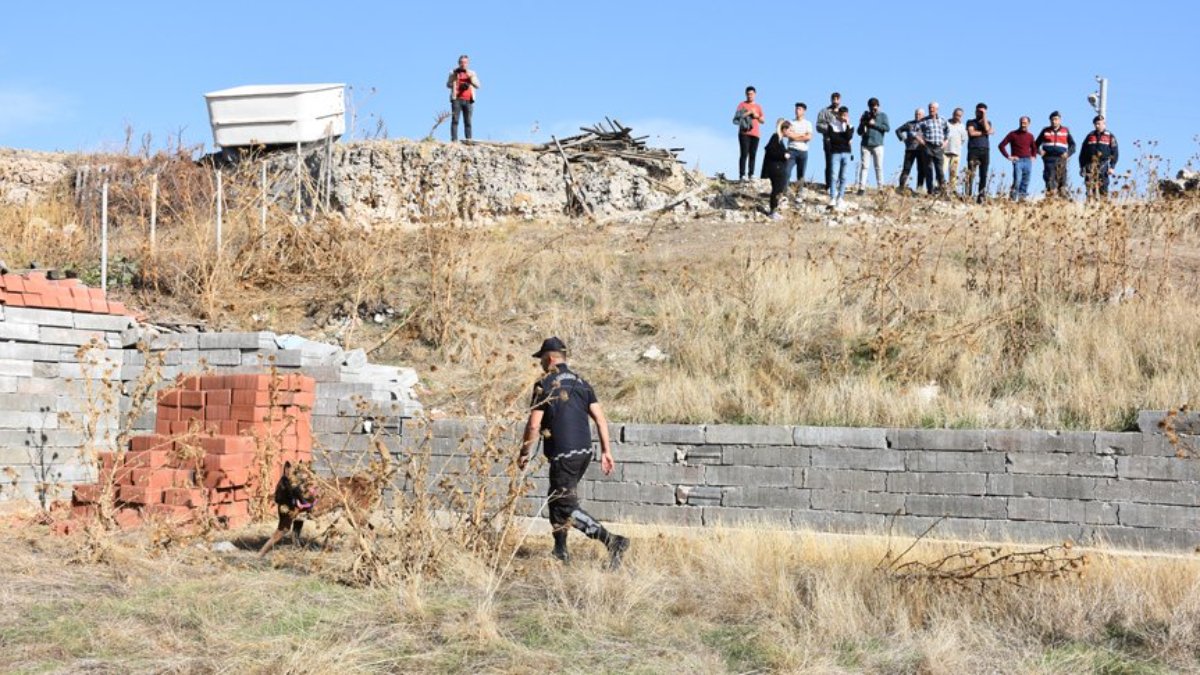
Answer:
(462, 84)
(825, 118)
(872, 126)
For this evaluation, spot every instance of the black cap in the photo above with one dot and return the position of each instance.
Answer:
(1054, 114)
(550, 344)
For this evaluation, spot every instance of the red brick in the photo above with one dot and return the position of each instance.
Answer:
(64, 528)
(236, 522)
(96, 293)
(227, 427)
(167, 412)
(252, 382)
(232, 508)
(220, 397)
(216, 413)
(117, 308)
(225, 445)
(189, 382)
(169, 397)
(152, 442)
(162, 478)
(250, 397)
(86, 494)
(212, 382)
(249, 413)
(13, 283)
(191, 399)
(169, 512)
(136, 494)
(179, 427)
(99, 306)
(191, 414)
(148, 459)
(128, 519)
(121, 475)
(229, 478)
(189, 497)
(213, 463)
(162, 427)
(84, 511)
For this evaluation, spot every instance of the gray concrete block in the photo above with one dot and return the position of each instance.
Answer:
(737, 434)
(47, 370)
(699, 495)
(1159, 515)
(766, 497)
(858, 502)
(222, 357)
(1153, 422)
(840, 479)
(605, 512)
(725, 516)
(1180, 445)
(1116, 443)
(1029, 441)
(1061, 464)
(23, 332)
(954, 462)
(43, 317)
(1147, 539)
(594, 473)
(667, 474)
(18, 351)
(1062, 510)
(177, 341)
(1159, 468)
(937, 483)
(1149, 492)
(347, 390)
(771, 456)
(15, 419)
(643, 454)
(109, 323)
(876, 459)
(334, 425)
(289, 358)
(69, 336)
(957, 506)
(690, 434)
(256, 341)
(936, 528)
(937, 439)
(839, 521)
(633, 493)
(8, 384)
(1035, 533)
(16, 368)
(691, 516)
(840, 437)
(1058, 487)
(703, 454)
(750, 475)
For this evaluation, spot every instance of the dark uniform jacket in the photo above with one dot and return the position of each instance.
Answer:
(564, 398)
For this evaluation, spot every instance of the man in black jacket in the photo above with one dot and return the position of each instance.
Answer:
(561, 406)
(1098, 159)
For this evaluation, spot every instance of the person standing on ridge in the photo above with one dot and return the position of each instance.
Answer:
(1055, 145)
(462, 84)
(1024, 149)
(798, 136)
(979, 158)
(775, 165)
(748, 116)
(1098, 158)
(824, 119)
(956, 138)
(562, 404)
(907, 133)
(873, 127)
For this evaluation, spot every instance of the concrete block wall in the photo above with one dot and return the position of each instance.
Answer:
(1127, 490)
(43, 385)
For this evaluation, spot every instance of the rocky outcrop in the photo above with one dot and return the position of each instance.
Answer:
(27, 176)
(1184, 182)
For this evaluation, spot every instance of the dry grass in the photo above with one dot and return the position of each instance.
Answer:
(711, 601)
(1049, 315)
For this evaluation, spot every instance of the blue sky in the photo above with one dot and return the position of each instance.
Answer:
(76, 74)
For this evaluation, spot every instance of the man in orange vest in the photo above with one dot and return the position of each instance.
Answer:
(1055, 146)
(462, 84)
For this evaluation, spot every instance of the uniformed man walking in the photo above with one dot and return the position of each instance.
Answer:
(561, 406)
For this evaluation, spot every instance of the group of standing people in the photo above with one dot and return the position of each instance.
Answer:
(933, 144)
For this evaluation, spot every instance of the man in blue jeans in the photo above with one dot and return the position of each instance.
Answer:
(1023, 149)
(840, 138)
(798, 136)
(462, 84)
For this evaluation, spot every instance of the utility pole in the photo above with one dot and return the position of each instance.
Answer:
(1099, 99)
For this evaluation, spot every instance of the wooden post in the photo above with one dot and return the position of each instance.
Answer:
(220, 209)
(104, 236)
(153, 213)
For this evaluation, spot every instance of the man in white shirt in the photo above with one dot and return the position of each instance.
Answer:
(955, 139)
(798, 137)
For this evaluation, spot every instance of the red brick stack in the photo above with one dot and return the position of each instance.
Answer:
(33, 289)
(217, 438)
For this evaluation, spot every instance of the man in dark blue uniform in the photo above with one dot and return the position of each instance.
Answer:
(562, 404)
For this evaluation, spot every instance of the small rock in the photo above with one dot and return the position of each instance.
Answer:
(224, 547)
(653, 353)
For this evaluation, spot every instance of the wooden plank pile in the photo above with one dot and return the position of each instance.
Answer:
(610, 139)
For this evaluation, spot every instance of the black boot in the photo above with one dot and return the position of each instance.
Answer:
(616, 545)
(560, 546)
